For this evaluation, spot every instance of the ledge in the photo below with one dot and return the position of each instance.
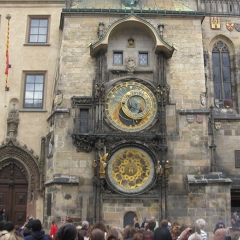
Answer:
(32, 110)
(193, 111)
(58, 111)
(37, 44)
(214, 177)
(63, 179)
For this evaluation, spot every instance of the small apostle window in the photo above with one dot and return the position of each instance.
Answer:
(143, 58)
(117, 58)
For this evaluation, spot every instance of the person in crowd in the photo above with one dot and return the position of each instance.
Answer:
(138, 236)
(84, 229)
(29, 221)
(97, 234)
(195, 236)
(201, 223)
(53, 229)
(220, 234)
(136, 223)
(37, 231)
(1, 226)
(112, 234)
(175, 231)
(162, 233)
(9, 232)
(144, 221)
(157, 224)
(67, 232)
(220, 224)
(235, 216)
(129, 232)
(100, 225)
(3, 215)
(148, 234)
(164, 223)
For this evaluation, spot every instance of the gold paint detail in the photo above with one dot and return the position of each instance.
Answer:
(130, 169)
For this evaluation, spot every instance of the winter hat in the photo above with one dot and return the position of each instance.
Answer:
(67, 232)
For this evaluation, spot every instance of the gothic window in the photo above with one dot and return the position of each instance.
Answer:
(221, 72)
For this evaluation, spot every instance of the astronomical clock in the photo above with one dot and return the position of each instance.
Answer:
(130, 106)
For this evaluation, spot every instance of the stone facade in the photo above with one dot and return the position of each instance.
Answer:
(192, 134)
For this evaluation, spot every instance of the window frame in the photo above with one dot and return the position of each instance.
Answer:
(26, 74)
(219, 56)
(117, 52)
(143, 52)
(30, 18)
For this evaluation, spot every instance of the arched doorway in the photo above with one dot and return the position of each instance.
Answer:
(13, 193)
(128, 219)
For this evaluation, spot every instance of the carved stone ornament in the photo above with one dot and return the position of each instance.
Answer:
(199, 118)
(190, 118)
(203, 100)
(130, 63)
(217, 125)
(58, 99)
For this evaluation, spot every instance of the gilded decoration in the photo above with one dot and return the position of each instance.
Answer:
(130, 170)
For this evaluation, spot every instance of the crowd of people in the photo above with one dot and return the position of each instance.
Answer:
(147, 230)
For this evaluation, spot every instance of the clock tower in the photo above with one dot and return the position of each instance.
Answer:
(128, 130)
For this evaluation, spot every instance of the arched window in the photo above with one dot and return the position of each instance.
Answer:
(221, 74)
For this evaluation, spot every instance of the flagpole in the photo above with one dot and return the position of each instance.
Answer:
(8, 17)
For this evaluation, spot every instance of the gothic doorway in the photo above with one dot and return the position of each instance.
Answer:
(128, 219)
(13, 193)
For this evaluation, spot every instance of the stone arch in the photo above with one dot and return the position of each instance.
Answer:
(226, 40)
(131, 22)
(13, 152)
(128, 218)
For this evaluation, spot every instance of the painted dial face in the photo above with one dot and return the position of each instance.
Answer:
(130, 170)
(130, 106)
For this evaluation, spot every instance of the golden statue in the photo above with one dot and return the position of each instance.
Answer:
(103, 164)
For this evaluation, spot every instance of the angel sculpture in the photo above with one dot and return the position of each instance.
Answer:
(103, 164)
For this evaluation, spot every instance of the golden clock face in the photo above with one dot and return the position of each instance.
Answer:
(130, 170)
(130, 106)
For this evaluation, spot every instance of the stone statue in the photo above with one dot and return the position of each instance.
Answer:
(94, 165)
(159, 169)
(130, 64)
(167, 168)
(12, 122)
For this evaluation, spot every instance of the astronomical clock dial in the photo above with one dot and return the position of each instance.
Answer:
(130, 170)
(130, 106)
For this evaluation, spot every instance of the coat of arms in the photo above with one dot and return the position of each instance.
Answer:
(217, 125)
(237, 27)
(215, 23)
(230, 26)
(200, 118)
